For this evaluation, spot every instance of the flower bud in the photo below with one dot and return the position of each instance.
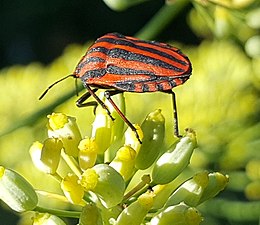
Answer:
(124, 162)
(153, 128)
(118, 125)
(47, 219)
(102, 129)
(87, 153)
(190, 191)
(73, 191)
(16, 192)
(46, 156)
(35, 153)
(90, 215)
(162, 193)
(174, 161)
(198, 189)
(106, 183)
(135, 213)
(217, 182)
(252, 190)
(120, 5)
(65, 128)
(253, 169)
(222, 23)
(131, 139)
(50, 155)
(178, 215)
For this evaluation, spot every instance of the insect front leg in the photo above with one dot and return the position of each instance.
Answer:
(108, 95)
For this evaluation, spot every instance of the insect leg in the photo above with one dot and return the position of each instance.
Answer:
(80, 102)
(108, 95)
(175, 114)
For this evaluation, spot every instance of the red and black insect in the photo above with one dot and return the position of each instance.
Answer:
(120, 64)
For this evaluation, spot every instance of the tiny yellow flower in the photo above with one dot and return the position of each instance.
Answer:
(46, 156)
(89, 179)
(102, 129)
(73, 191)
(106, 183)
(88, 151)
(178, 215)
(124, 162)
(47, 219)
(57, 121)
(65, 128)
(135, 213)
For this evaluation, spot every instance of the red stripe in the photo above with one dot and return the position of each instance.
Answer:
(171, 62)
(161, 47)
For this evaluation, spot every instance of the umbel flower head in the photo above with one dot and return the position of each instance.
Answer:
(111, 178)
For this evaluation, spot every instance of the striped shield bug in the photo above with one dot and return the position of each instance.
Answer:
(121, 63)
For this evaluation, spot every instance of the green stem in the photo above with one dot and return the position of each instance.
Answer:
(57, 212)
(71, 162)
(207, 17)
(232, 210)
(145, 181)
(57, 177)
(161, 19)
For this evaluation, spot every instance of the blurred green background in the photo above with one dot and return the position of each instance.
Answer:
(42, 41)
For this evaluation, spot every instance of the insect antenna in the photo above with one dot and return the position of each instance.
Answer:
(58, 81)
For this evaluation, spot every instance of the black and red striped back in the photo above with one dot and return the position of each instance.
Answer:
(129, 64)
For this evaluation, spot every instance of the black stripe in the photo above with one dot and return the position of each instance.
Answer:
(131, 56)
(118, 71)
(93, 74)
(81, 65)
(94, 59)
(129, 86)
(98, 49)
(127, 71)
(136, 40)
(130, 43)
